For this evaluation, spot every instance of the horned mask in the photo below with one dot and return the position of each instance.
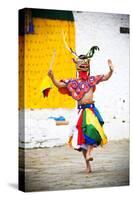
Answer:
(82, 61)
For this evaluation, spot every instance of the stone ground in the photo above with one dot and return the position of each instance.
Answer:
(61, 168)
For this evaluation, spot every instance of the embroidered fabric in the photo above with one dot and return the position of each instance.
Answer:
(78, 87)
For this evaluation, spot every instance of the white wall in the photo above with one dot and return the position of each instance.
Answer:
(112, 97)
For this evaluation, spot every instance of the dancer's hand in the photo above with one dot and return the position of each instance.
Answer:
(110, 64)
(50, 74)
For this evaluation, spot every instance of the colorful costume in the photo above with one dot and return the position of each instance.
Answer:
(90, 122)
(78, 87)
(89, 125)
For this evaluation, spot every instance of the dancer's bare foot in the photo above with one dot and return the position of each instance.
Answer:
(88, 167)
(88, 170)
(89, 159)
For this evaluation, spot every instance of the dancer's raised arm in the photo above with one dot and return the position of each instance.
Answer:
(57, 83)
(109, 74)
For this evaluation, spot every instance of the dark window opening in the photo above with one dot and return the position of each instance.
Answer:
(124, 30)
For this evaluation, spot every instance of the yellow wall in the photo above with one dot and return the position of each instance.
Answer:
(38, 51)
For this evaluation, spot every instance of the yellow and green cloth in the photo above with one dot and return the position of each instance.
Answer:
(46, 85)
(90, 127)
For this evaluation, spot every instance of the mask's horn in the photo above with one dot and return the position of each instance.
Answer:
(92, 51)
(67, 47)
